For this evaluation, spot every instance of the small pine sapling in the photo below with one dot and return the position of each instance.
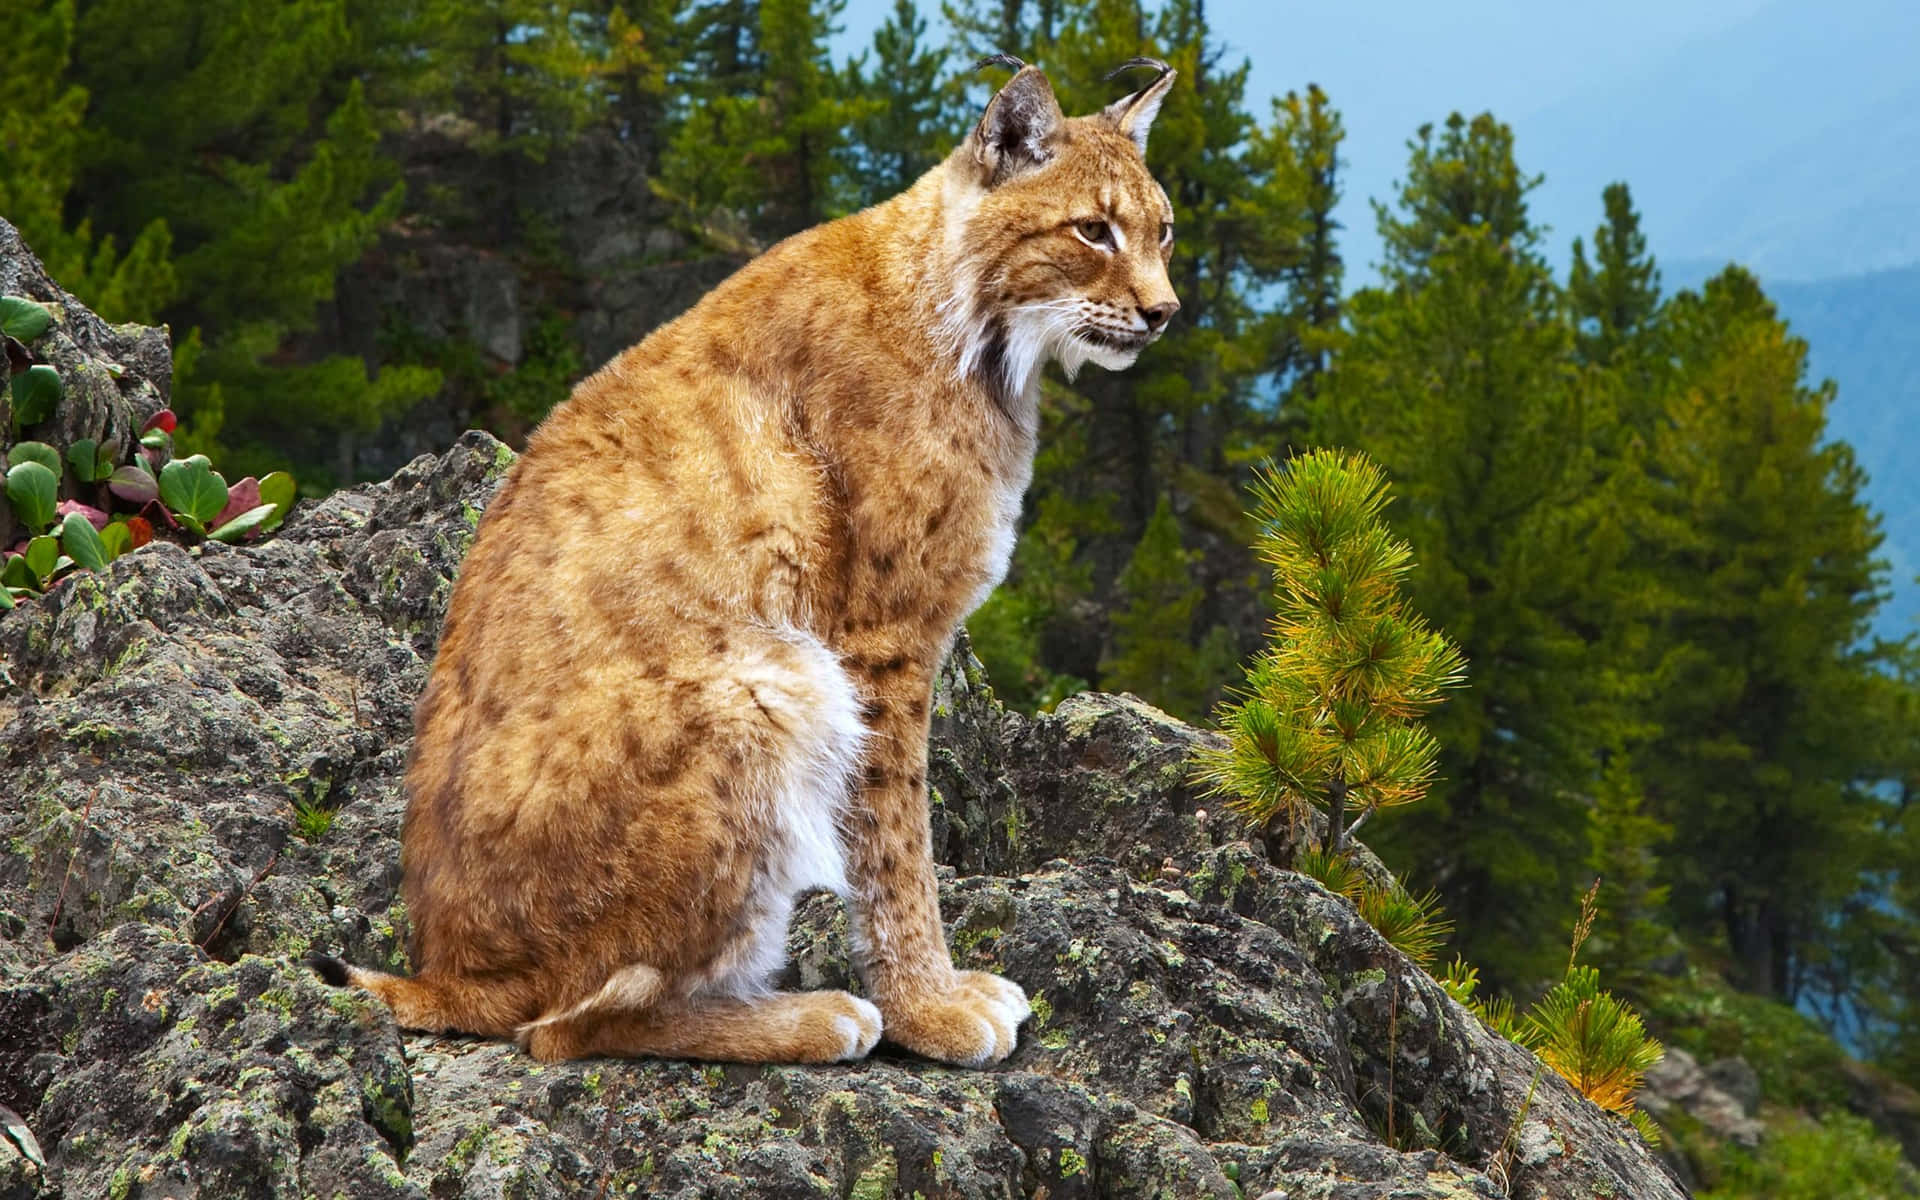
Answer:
(1592, 1039)
(1327, 714)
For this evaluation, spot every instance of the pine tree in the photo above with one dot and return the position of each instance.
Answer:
(243, 130)
(1326, 717)
(42, 115)
(1459, 378)
(1299, 187)
(1465, 182)
(905, 125)
(1153, 651)
(1630, 932)
(1616, 297)
(760, 154)
(1767, 558)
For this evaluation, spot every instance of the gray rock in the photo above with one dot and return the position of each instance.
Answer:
(1736, 1077)
(204, 751)
(1677, 1081)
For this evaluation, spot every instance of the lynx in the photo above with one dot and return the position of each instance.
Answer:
(687, 668)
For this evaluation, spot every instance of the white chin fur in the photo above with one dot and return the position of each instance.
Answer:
(1106, 357)
(1035, 334)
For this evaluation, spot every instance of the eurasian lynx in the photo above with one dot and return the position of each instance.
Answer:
(687, 668)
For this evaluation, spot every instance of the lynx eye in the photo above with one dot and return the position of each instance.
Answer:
(1166, 233)
(1094, 233)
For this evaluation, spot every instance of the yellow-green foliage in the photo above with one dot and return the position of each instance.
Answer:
(1334, 870)
(1593, 1040)
(1837, 1156)
(1326, 714)
(1413, 925)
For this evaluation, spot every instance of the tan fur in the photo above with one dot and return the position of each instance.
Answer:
(687, 669)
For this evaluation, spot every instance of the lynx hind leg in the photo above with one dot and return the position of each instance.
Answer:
(791, 712)
(778, 1027)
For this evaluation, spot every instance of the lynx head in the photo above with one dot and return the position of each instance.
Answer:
(1058, 234)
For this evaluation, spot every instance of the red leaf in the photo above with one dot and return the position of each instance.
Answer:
(241, 496)
(139, 532)
(163, 420)
(94, 516)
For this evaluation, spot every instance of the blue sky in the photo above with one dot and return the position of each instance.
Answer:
(1784, 134)
(1391, 65)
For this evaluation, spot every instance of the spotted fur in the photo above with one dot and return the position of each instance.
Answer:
(687, 669)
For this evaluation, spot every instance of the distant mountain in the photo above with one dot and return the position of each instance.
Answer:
(1863, 332)
(1789, 142)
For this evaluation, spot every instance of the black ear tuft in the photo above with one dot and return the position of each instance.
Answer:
(1015, 134)
(331, 970)
(999, 60)
(1133, 115)
(1136, 63)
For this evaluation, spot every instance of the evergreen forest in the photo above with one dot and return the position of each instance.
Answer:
(371, 225)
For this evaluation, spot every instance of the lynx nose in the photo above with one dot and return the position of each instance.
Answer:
(1159, 314)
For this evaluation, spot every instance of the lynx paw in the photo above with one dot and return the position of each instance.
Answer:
(973, 1024)
(858, 1028)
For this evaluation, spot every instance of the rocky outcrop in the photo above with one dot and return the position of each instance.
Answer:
(1724, 1096)
(203, 753)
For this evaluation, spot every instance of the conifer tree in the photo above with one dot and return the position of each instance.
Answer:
(1459, 378)
(1464, 182)
(906, 125)
(1769, 571)
(1615, 297)
(1630, 931)
(1153, 652)
(1326, 717)
(1300, 150)
(760, 151)
(42, 115)
(243, 129)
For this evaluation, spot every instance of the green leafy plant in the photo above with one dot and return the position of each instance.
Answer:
(36, 393)
(1459, 979)
(312, 818)
(22, 319)
(1326, 716)
(68, 534)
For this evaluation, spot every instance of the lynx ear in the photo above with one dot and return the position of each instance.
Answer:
(1015, 134)
(1133, 115)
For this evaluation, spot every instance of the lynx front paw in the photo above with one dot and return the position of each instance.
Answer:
(972, 1024)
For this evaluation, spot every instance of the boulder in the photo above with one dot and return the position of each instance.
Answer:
(1678, 1081)
(203, 752)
